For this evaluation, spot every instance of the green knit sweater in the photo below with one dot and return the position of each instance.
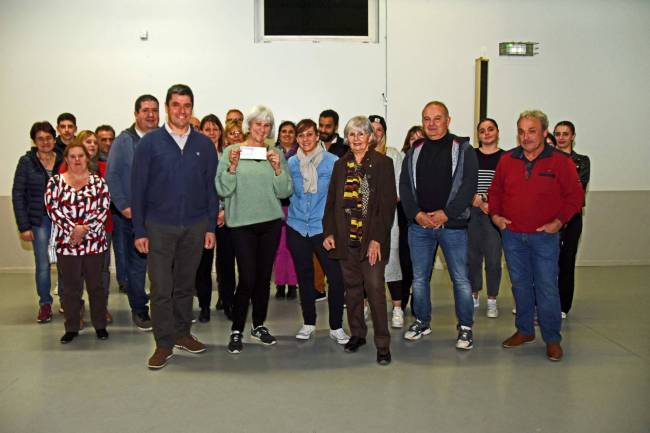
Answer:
(252, 195)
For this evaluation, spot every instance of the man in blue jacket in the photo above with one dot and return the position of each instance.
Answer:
(118, 176)
(174, 209)
(437, 183)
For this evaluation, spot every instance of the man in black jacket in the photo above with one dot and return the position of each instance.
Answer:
(438, 180)
(66, 126)
(328, 125)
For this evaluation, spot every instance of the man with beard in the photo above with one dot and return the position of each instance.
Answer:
(328, 125)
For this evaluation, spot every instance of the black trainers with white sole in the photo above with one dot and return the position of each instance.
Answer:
(417, 330)
(235, 345)
(465, 339)
(262, 333)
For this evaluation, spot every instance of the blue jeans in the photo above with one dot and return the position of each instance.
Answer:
(42, 259)
(120, 245)
(532, 260)
(136, 265)
(453, 242)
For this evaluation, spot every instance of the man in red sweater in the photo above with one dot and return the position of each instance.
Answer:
(535, 191)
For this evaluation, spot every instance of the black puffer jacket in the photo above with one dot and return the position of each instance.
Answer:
(28, 189)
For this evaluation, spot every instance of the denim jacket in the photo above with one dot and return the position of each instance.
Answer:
(306, 209)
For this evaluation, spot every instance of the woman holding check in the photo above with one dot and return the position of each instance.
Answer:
(252, 179)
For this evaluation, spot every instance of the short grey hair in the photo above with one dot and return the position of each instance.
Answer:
(358, 123)
(260, 113)
(535, 114)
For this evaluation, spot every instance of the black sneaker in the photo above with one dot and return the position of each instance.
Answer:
(417, 330)
(235, 345)
(142, 321)
(279, 291)
(102, 334)
(292, 292)
(263, 334)
(68, 337)
(320, 296)
(465, 339)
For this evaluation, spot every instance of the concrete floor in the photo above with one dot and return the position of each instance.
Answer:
(601, 385)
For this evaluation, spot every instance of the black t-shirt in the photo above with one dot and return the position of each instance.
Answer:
(433, 174)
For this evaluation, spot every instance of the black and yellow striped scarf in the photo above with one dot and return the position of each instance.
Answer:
(352, 202)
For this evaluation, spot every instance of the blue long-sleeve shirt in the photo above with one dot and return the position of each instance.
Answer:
(306, 209)
(170, 186)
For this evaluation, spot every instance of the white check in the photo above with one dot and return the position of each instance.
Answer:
(252, 152)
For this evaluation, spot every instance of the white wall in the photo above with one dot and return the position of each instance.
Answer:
(592, 68)
(85, 56)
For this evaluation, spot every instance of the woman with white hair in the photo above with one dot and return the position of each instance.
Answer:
(252, 178)
(358, 217)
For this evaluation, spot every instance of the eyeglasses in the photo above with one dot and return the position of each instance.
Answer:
(46, 139)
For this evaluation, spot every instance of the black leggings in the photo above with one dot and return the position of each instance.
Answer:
(569, 238)
(255, 247)
(302, 249)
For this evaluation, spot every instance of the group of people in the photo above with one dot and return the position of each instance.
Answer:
(314, 204)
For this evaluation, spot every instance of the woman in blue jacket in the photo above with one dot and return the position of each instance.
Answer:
(311, 169)
(32, 173)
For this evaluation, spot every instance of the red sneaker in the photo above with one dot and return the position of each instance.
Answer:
(44, 313)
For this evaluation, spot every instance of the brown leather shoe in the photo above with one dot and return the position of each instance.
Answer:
(190, 343)
(159, 358)
(517, 339)
(554, 351)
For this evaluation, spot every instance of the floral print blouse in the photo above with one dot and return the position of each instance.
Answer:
(68, 207)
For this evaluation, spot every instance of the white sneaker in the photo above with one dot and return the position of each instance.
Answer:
(366, 312)
(476, 301)
(339, 336)
(514, 310)
(397, 320)
(563, 315)
(492, 310)
(305, 332)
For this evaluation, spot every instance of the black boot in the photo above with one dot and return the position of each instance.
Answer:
(227, 310)
(204, 315)
(279, 293)
(68, 337)
(291, 293)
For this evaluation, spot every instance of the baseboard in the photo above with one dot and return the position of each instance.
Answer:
(605, 263)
